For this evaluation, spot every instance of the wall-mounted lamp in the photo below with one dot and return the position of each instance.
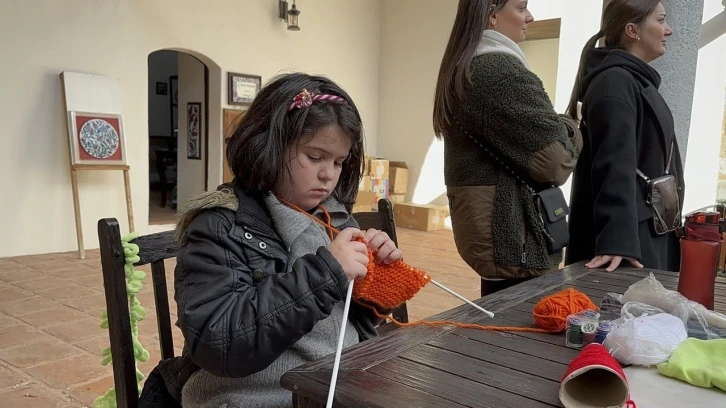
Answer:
(290, 16)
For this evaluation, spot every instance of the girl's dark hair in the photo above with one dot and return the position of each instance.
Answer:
(455, 72)
(256, 151)
(617, 15)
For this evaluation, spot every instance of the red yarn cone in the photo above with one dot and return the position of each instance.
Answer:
(594, 379)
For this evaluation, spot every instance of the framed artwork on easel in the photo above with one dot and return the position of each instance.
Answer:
(96, 138)
(95, 131)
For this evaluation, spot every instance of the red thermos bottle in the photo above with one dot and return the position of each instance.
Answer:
(701, 242)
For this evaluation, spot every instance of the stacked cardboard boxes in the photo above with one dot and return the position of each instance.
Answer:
(378, 170)
(373, 185)
(424, 217)
(398, 181)
(389, 179)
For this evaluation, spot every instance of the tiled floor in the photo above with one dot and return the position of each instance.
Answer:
(50, 307)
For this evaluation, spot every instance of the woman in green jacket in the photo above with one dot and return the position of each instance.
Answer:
(486, 96)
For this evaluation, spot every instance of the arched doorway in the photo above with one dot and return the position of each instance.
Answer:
(183, 110)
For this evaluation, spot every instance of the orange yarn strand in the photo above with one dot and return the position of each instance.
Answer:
(550, 314)
(387, 286)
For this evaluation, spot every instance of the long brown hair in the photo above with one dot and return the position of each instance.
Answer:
(455, 71)
(617, 15)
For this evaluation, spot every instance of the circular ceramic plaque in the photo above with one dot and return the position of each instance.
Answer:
(99, 139)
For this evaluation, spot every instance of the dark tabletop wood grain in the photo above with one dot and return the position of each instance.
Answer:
(446, 366)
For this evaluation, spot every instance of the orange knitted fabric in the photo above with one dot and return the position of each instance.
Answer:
(389, 286)
(386, 287)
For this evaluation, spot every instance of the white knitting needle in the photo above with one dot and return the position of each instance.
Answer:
(486, 312)
(339, 350)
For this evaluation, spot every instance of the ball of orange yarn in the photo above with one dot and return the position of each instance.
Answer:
(551, 312)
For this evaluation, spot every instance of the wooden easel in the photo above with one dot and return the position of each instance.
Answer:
(92, 93)
(77, 202)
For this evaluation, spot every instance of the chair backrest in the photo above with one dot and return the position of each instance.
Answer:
(154, 249)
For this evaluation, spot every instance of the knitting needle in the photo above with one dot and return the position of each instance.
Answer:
(339, 350)
(486, 312)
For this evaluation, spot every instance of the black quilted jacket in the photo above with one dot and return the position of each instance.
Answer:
(237, 310)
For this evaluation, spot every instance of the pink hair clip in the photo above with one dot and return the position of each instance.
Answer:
(305, 99)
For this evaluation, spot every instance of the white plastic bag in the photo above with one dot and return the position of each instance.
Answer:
(649, 296)
(646, 340)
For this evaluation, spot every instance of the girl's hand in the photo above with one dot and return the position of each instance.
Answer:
(614, 260)
(379, 241)
(351, 254)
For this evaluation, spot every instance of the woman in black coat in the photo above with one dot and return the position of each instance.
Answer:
(627, 126)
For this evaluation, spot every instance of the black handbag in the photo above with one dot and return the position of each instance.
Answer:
(550, 204)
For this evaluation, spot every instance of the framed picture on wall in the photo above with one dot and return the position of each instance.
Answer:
(96, 139)
(242, 88)
(194, 130)
(161, 88)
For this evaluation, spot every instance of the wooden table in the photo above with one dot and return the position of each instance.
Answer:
(445, 366)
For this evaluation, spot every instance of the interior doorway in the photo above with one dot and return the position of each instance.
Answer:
(178, 113)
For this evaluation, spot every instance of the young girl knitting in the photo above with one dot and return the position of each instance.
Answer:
(260, 279)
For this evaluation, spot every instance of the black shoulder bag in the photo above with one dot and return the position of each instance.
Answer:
(550, 204)
(663, 199)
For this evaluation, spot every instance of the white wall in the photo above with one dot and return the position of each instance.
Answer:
(542, 58)
(114, 38)
(415, 39)
(190, 172)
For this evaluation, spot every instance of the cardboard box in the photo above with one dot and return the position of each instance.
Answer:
(380, 187)
(424, 217)
(365, 166)
(378, 169)
(397, 198)
(365, 202)
(398, 176)
(365, 184)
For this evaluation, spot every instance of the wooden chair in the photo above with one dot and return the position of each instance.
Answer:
(154, 249)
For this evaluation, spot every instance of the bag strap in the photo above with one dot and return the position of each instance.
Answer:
(668, 163)
(496, 158)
